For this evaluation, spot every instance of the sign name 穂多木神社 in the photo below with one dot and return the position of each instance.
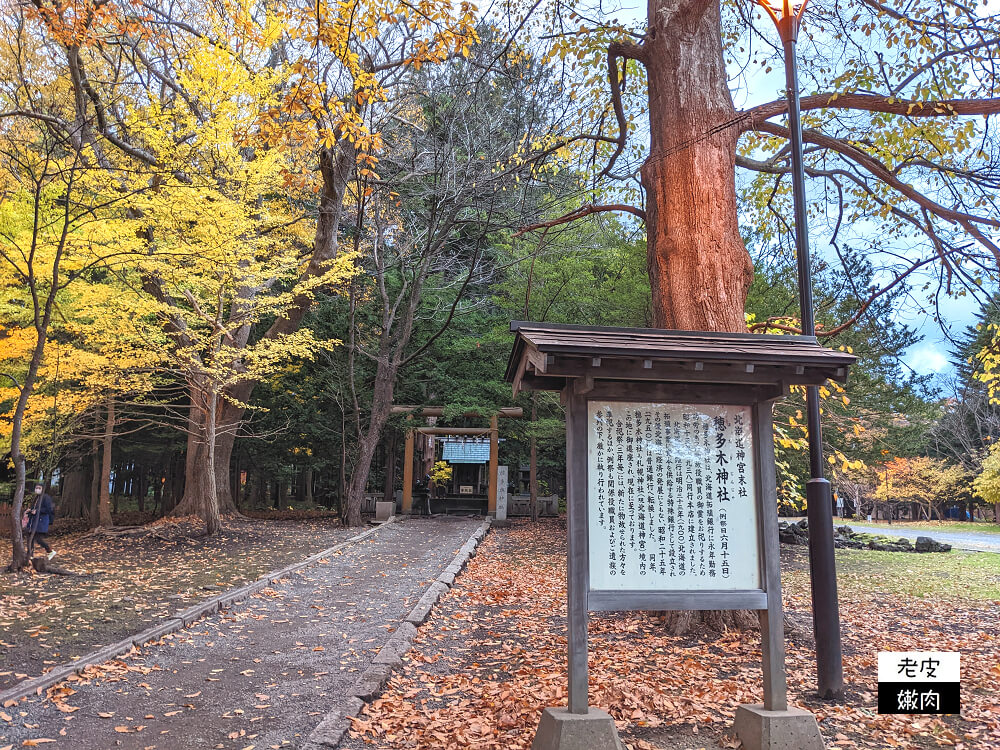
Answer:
(672, 501)
(671, 493)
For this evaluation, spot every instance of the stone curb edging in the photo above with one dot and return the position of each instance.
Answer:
(179, 621)
(334, 726)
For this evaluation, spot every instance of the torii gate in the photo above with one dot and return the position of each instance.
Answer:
(511, 412)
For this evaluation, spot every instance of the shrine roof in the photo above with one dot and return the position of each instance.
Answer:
(546, 355)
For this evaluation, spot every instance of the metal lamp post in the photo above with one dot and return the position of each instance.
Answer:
(787, 16)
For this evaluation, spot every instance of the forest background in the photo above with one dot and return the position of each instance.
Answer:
(232, 235)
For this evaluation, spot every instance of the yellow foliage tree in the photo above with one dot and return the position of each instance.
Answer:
(254, 123)
(227, 253)
(441, 472)
(926, 482)
(49, 240)
(987, 484)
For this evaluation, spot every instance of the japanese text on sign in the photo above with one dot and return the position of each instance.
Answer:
(671, 497)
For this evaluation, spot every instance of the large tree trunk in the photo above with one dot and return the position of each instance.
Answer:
(74, 498)
(197, 487)
(699, 268)
(230, 418)
(385, 377)
(197, 463)
(683, 623)
(307, 486)
(104, 500)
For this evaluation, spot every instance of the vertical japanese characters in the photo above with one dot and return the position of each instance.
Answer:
(668, 484)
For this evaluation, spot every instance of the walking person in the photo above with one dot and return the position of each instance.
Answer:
(39, 518)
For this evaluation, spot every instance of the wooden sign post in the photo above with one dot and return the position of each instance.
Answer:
(671, 493)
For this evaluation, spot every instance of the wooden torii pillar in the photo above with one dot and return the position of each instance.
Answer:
(513, 412)
(491, 488)
(408, 473)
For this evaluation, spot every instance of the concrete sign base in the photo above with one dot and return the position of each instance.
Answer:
(383, 511)
(792, 729)
(561, 730)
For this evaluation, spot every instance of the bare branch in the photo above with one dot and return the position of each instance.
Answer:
(582, 211)
(12, 379)
(873, 103)
(883, 173)
(769, 324)
(51, 119)
(626, 50)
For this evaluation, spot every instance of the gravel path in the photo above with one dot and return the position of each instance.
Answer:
(968, 540)
(263, 673)
(136, 581)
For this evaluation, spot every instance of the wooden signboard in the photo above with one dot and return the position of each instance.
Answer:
(715, 470)
(670, 471)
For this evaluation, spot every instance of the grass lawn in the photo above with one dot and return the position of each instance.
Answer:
(128, 583)
(946, 575)
(979, 527)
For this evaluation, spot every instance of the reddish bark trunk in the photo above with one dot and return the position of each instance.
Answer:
(699, 268)
(74, 499)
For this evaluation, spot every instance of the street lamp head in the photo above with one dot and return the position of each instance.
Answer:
(786, 15)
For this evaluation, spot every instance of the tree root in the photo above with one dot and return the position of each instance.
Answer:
(42, 565)
(700, 621)
(116, 531)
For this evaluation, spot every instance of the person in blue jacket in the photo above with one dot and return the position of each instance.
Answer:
(39, 519)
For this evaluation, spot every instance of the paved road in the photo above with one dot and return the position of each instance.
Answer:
(264, 673)
(969, 540)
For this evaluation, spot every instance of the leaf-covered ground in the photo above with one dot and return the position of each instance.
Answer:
(493, 655)
(134, 581)
(259, 675)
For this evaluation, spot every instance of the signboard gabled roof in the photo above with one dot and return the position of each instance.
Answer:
(545, 355)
